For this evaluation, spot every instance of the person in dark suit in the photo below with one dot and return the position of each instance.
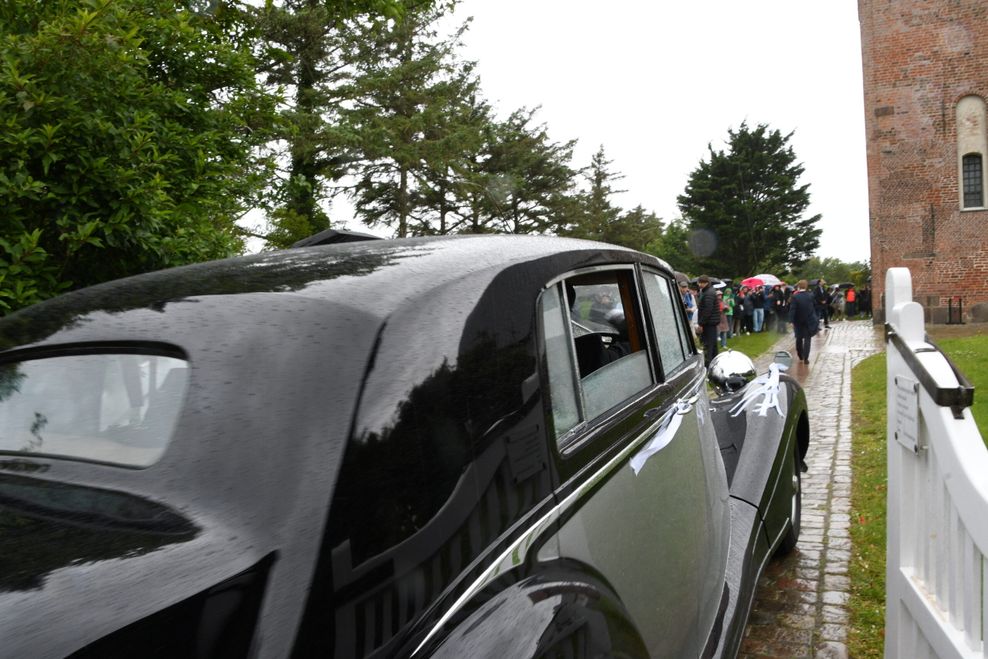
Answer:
(779, 308)
(823, 300)
(805, 323)
(707, 318)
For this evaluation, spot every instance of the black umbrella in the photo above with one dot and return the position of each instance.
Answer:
(713, 280)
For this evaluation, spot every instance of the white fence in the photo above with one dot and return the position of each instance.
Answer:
(936, 571)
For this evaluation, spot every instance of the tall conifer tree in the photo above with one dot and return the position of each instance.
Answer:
(530, 174)
(748, 200)
(409, 117)
(304, 51)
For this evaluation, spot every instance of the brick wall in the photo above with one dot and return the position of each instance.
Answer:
(919, 58)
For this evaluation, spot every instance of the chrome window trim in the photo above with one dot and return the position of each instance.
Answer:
(586, 270)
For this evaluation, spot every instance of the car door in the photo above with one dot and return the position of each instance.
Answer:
(642, 504)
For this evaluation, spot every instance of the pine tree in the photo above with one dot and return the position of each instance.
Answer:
(593, 211)
(636, 229)
(408, 96)
(457, 133)
(305, 42)
(529, 174)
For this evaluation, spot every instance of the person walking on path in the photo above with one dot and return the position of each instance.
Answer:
(802, 315)
(822, 299)
(707, 319)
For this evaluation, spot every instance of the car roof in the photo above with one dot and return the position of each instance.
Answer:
(378, 277)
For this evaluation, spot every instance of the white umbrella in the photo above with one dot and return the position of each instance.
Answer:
(770, 280)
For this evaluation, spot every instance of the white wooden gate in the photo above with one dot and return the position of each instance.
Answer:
(936, 571)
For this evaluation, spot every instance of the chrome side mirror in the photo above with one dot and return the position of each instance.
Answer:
(731, 371)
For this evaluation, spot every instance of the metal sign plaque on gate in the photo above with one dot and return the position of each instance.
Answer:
(907, 413)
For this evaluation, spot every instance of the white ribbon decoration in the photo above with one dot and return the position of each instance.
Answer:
(668, 426)
(766, 386)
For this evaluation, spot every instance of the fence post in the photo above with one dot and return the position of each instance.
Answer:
(904, 316)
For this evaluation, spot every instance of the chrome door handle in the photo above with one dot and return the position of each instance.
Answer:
(684, 405)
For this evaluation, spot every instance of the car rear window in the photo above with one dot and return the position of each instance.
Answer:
(114, 408)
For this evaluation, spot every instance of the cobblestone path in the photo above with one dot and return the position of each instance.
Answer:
(800, 607)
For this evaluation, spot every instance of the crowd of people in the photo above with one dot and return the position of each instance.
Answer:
(718, 311)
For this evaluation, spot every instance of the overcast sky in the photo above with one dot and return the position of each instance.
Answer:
(656, 82)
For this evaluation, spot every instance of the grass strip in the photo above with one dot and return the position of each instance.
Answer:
(866, 637)
(755, 344)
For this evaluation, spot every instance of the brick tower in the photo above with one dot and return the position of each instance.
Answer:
(925, 90)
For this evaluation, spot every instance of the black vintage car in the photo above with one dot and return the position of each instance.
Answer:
(472, 447)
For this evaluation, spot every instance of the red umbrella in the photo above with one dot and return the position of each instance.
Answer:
(752, 282)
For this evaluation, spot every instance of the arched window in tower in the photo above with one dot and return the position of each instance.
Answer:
(972, 176)
(972, 144)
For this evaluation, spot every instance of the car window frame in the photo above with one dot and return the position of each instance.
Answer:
(585, 431)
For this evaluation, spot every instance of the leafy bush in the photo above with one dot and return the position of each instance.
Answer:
(130, 140)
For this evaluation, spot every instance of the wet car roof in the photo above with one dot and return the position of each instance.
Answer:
(375, 277)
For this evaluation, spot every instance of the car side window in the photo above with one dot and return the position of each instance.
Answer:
(595, 346)
(667, 321)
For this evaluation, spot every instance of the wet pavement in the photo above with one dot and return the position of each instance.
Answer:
(800, 607)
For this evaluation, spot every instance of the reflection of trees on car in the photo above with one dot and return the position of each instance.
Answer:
(420, 462)
(62, 525)
(424, 496)
(11, 378)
